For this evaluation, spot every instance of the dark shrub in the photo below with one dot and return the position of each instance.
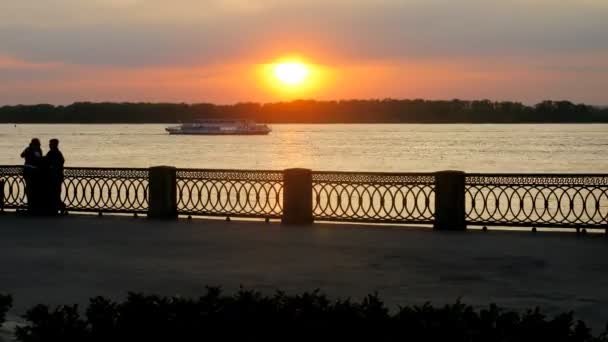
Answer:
(61, 324)
(251, 316)
(6, 301)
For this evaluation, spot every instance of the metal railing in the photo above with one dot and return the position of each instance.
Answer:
(538, 200)
(535, 200)
(13, 191)
(230, 193)
(115, 190)
(374, 197)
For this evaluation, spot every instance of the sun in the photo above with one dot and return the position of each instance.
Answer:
(292, 76)
(291, 73)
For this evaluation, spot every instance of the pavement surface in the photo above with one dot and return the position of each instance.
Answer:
(70, 259)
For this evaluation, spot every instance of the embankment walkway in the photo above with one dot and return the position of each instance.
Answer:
(69, 259)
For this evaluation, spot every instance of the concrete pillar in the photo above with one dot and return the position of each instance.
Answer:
(449, 200)
(162, 196)
(1, 194)
(297, 196)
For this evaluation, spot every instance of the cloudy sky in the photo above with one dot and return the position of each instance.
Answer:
(61, 51)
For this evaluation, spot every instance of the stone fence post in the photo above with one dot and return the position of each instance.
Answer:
(162, 194)
(449, 200)
(1, 194)
(297, 196)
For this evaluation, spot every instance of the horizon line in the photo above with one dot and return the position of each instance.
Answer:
(263, 103)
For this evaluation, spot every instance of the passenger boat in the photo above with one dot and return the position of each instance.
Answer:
(220, 127)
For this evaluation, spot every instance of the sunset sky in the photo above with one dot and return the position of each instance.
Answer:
(61, 51)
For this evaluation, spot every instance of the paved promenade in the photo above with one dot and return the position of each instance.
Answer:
(69, 259)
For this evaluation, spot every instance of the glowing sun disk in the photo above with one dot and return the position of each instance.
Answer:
(291, 73)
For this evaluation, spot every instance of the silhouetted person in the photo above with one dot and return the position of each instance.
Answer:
(32, 174)
(54, 168)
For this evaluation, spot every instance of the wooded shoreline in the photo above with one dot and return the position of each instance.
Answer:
(311, 111)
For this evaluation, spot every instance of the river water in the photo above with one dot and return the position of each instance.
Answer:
(575, 148)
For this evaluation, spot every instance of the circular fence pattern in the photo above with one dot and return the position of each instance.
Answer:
(490, 199)
(86, 189)
(374, 197)
(542, 200)
(13, 190)
(111, 190)
(230, 193)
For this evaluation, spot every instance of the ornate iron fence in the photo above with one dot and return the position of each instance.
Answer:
(230, 193)
(106, 190)
(537, 200)
(490, 199)
(374, 197)
(87, 189)
(14, 187)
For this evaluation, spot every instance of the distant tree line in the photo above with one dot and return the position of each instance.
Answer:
(311, 111)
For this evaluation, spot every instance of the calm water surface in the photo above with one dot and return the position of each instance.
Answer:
(353, 147)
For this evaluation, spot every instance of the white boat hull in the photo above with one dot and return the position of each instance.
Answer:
(217, 133)
(220, 127)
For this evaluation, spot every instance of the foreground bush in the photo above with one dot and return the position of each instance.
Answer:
(250, 316)
(6, 302)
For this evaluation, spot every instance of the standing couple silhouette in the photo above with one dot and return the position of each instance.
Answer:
(43, 177)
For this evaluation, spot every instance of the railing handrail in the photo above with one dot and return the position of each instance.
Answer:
(468, 174)
(107, 168)
(226, 170)
(87, 168)
(556, 175)
(372, 173)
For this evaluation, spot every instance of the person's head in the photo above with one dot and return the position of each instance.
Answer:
(53, 144)
(35, 142)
